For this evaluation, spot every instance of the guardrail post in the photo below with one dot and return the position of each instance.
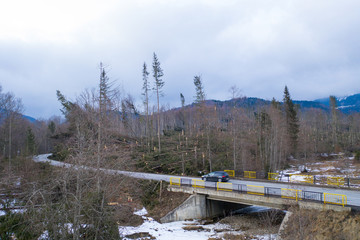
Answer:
(175, 181)
(250, 174)
(348, 182)
(288, 176)
(230, 172)
(334, 198)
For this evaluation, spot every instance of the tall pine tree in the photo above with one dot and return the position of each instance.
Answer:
(199, 88)
(30, 142)
(159, 83)
(334, 121)
(182, 99)
(292, 122)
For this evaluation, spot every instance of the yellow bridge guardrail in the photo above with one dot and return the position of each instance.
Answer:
(257, 190)
(224, 186)
(230, 172)
(334, 198)
(273, 176)
(337, 181)
(198, 183)
(329, 198)
(249, 174)
(175, 181)
(303, 178)
(291, 193)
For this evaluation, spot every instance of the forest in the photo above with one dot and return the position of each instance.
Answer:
(104, 128)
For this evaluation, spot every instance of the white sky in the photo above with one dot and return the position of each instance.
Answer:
(258, 45)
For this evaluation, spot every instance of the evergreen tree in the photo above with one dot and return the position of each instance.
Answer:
(52, 127)
(292, 121)
(159, 83)
(264, 123)
(333, 107)
(200, 93)
(275, 104)
(30, 142)
(182, 113)
(67, 106)
(106, 94)
(205, 116)
(182, 99)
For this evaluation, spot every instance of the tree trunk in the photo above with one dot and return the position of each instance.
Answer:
(158, 117)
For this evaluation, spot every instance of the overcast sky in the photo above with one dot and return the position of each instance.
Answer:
(258, 45)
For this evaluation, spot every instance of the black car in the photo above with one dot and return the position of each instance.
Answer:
(218, 176)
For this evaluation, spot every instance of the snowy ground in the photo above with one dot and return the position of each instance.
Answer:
(175, 231)
(341, 167)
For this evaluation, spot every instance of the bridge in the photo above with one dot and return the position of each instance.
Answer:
(212, 198)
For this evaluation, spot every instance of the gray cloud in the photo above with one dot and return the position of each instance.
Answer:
(260, 46)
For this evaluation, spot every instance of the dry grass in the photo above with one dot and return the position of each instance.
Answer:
(230, 236)
(169, 201)
(195, 228)
(308, 225)
(256, 223)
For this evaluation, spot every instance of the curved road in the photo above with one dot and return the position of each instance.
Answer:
(353, 196)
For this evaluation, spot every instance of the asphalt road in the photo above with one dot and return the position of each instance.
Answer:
(353, 196)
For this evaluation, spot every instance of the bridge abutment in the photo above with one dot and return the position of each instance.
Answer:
(197, 206)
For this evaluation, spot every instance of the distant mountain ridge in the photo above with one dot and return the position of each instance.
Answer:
(30, 119)
(347, 105)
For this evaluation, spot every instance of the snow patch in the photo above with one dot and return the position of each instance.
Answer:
(342, 98)
(175, 231)
(325, 169)
(348, 106)
(44, 235)
(141, 212)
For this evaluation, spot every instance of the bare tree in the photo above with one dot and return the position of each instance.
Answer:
(11, 109)
(146, 89)
(235, 93)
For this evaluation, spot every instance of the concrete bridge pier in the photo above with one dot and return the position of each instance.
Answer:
(197, 206)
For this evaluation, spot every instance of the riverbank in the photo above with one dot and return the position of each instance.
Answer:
(249, 223)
